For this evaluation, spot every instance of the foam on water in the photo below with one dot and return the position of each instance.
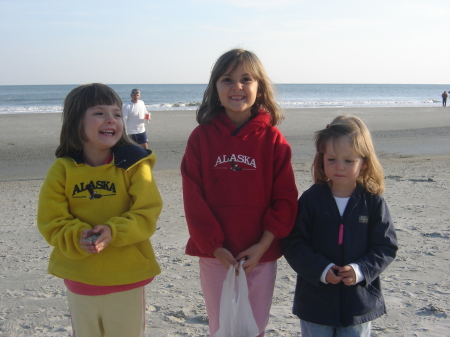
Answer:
(166, 97)
(32, 109)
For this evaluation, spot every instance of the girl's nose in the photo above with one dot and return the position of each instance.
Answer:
(237, 85)
(110, 119)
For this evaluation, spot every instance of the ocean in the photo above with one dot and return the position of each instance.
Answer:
(20, 99)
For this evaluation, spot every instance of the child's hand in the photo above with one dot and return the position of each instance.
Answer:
(332, 276)
(100, 243)
(105, 237)
(225, 257)
(251, 256)
(348, 275)
(87, 245)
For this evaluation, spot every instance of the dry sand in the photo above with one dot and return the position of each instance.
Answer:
(413, 145)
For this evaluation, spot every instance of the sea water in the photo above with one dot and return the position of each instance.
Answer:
(166, 97)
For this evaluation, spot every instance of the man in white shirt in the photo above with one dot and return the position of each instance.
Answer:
(134, 115)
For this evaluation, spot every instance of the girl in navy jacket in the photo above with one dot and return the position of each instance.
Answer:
(344, 236)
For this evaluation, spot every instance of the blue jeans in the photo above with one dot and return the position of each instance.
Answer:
(316, 330)
(139, 138)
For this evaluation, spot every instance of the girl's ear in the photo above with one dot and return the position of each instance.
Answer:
(364, 165)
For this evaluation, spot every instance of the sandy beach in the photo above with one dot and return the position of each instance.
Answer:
(413, 145)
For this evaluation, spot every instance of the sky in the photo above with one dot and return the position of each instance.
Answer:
(178, 41)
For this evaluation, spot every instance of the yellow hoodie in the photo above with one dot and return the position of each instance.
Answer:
(123, 195)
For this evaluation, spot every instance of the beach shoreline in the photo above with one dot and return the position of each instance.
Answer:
(413, 145)
(28, 141)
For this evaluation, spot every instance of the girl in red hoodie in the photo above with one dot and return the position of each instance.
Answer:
(238, 184)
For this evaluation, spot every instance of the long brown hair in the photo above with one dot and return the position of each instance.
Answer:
(360, 140)
(210, 106)
(76, 103)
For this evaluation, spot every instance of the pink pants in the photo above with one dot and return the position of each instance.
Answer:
(261, 282)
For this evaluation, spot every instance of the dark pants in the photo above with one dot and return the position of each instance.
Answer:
(139, 138)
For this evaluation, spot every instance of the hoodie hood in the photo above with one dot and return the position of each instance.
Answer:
(257, 124)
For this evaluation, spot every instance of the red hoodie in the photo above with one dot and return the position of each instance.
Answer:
(236, 184)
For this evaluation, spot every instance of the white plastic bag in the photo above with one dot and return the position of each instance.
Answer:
(236, 316)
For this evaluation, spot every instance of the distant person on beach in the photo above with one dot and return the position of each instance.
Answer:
(134, 115)
(444, 99)
(98, 207)
(238, 184)
(344, 236)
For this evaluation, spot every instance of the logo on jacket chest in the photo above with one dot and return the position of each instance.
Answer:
(94, 190)
(363, 219)
(235, 162)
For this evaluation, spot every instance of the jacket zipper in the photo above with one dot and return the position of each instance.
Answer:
(340, 243)
(341, 233)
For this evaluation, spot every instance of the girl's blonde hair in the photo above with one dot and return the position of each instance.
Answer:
(75, 105)
(211, 106)
(360, 141)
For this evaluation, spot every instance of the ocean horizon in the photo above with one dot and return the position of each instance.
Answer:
(18, 99)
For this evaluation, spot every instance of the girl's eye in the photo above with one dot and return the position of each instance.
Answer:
(226, 80)
(247, 79)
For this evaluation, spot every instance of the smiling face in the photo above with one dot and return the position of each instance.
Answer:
(342, 167)
(237, 91)
(102, 128)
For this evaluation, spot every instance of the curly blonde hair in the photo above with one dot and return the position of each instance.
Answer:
(360, 141)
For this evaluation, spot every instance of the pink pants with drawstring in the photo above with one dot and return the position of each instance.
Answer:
(261, 282)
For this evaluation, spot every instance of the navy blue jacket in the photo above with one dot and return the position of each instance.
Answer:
(369, 241)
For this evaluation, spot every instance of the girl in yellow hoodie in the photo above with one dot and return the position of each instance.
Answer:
(98, 207)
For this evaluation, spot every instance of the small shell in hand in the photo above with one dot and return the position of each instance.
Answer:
(92, 238)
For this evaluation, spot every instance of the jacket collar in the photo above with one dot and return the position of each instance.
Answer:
(124, 157)
(358, 190)
(255, 125)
